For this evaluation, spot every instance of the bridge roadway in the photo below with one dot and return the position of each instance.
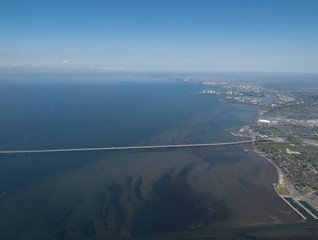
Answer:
(129, 148)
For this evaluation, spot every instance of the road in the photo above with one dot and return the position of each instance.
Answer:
(128, 148)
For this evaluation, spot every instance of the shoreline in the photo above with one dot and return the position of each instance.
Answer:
(292, 192)
(279, 171)
(283, 182)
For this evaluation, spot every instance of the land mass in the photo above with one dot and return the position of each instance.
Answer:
(288, 122)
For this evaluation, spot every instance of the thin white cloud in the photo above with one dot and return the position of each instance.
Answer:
(64, 61)
(13, 65)
(21, 65)
(109, 68)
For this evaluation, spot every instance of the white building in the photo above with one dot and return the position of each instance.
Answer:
(264, 121)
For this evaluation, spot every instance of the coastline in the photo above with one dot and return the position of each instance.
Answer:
(292, 192)
(283, 187)
(279, 171)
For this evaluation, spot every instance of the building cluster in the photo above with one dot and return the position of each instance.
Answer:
(298, 171)
(288, 124)
(243, 100)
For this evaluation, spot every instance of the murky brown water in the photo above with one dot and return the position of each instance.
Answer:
(140, 193)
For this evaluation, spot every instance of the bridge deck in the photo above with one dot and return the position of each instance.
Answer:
(128, 148)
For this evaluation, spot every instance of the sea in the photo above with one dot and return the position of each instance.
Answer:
(219, 192)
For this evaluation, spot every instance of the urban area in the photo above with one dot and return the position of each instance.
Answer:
(285, 133)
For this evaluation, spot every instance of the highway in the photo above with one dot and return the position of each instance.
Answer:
(128, 148)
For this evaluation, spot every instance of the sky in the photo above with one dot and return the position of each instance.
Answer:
(159, 35)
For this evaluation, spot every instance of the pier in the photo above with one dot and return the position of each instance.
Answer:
(129, 148)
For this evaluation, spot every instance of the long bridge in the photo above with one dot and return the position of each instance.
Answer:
(129, 148)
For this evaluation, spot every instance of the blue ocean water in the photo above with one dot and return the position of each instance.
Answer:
(114, 194)
(52, 115)
(70, 115)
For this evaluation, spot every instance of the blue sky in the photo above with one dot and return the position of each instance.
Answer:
(207, 35)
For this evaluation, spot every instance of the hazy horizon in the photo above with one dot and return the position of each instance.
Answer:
(107, 36)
